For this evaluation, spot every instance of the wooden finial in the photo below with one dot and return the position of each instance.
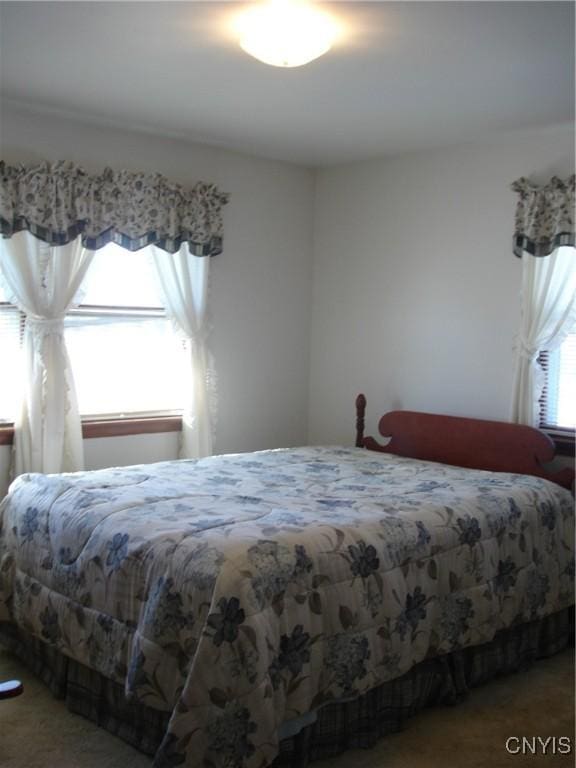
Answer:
(360, 411)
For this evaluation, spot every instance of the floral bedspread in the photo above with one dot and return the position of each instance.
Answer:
(240, 592)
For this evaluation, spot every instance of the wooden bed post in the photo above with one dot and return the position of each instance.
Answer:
(360, 411)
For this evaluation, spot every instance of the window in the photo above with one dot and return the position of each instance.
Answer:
(125, 356)
(11, 330)
(127, 360)
(558, 401)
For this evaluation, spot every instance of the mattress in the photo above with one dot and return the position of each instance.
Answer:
(238, 594)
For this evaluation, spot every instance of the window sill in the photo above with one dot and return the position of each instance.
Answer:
(130, 426)
(563, 439)
(113, 427)
(6, 434)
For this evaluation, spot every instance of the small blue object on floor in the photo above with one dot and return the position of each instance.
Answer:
(10, 688)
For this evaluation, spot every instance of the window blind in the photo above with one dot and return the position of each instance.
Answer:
(558, 401)
(11, 329)
(125, 362)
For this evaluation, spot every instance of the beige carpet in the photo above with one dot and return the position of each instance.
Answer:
(37, 731)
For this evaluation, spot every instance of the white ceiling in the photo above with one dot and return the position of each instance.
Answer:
(405, 76)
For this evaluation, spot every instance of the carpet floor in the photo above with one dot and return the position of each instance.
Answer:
(37, 731)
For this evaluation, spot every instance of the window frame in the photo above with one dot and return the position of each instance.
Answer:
(109, 425)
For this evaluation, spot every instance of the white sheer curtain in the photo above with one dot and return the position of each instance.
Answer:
(43, 281)
(183, 280)
(548, 312)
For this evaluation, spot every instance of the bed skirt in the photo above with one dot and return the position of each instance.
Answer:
(337, 726)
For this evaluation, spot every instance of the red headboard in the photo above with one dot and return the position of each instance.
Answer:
(494, 445)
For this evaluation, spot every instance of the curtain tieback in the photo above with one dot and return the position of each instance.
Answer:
(526, 351)
(45, 326)
(195, 343)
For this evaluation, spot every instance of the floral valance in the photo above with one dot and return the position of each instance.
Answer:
(544, 216)
(56, 202)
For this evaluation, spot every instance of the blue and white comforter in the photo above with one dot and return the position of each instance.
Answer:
(240, 592)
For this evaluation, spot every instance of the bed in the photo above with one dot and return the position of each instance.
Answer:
(274, 607)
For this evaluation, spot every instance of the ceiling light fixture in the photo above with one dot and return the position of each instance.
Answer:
(285, 33)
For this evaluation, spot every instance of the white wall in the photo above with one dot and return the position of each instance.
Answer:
(100, 452)
(5, 454)
(261, 284)
(416, 290)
